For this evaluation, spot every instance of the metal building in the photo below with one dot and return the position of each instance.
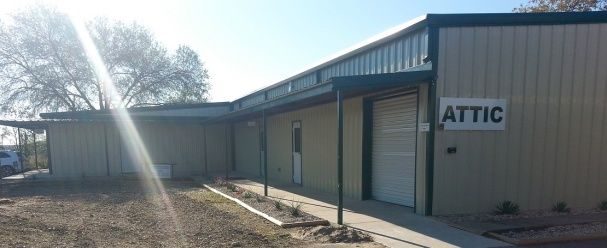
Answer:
(447, 114)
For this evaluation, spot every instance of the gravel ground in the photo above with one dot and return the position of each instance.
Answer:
(121, 213)
(559, 231)
(266, 205)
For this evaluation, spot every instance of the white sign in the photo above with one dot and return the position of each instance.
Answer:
(424, 127)
(472, 113)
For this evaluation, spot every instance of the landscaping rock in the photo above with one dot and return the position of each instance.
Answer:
(6, 201)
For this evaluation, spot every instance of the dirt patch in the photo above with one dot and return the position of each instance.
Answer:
(283, 211)
(121, 213)
(124, 213)
(334, 234)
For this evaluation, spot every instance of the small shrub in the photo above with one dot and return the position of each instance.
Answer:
(278, 205)
(603, 205)
(259, 198)
(220, 181)
(507, 207)
(295, 209)
(561, 207)
(231, 187)
(248, 194)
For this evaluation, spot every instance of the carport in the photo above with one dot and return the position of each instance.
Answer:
(36, 126)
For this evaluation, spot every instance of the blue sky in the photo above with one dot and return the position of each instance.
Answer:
(247, 45)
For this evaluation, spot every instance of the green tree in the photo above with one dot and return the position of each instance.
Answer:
(43, 66)
(561, 6)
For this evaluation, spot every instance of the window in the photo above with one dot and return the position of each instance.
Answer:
(297, 140)
(4, 155)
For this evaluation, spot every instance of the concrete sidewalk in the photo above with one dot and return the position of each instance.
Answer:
(389, 224)
(30, 175)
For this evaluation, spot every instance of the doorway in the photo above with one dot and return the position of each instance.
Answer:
(296, 138)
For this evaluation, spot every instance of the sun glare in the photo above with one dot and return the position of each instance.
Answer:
(128, 131)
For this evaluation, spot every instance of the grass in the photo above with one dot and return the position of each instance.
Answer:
(295, 209)
(232, 187)
(507, 207)
(248, 194)
(561, 207)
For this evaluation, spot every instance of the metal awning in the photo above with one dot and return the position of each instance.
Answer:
(44, 123)
(29, 123)
(325, 92)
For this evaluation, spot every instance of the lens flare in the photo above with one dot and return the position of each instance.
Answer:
(128, 131)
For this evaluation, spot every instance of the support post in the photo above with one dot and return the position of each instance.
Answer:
(20, 147)
(49, 160)
(35, 151)
(340, 161)
(206, 154)
(265, 154)
(227, 155)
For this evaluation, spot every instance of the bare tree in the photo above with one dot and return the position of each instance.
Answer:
(43, 65)
(561, 6)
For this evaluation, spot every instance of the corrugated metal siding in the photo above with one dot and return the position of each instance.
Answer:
(181, 145)
(319, 146)
(399, 54)
(78, 150)
(396, 55)
(247, 147)
(554, 80)
(216, 148)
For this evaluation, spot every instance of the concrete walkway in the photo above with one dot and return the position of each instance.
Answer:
(391, 225)
(32, 175)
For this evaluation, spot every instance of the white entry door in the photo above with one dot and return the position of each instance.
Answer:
(393, 149)
(296, 131)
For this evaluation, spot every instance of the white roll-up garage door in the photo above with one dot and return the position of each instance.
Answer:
(393, 149)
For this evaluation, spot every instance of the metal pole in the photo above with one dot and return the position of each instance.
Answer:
(206, 160)
(20, 147)
(340, 164)
(265, 154)
(35, 151)
(226, 152)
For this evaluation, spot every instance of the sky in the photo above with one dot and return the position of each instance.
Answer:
(247, 45)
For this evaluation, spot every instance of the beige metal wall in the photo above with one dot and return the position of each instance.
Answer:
(179, 144)
(216, 148)
(78, 149)
(247, 154)
(554, 79)
(319, 147)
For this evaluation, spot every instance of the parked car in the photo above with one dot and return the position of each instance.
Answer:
(10, 163)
